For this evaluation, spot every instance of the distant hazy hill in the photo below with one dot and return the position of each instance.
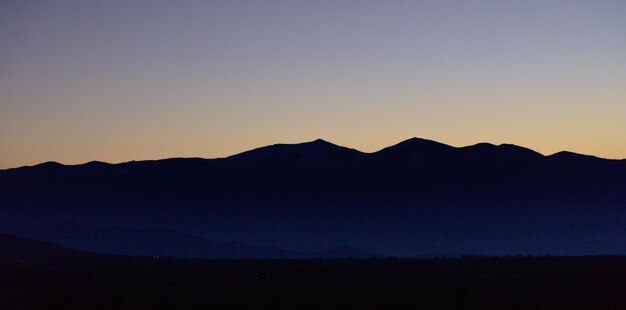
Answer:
(416, 197)
(163, 242)
(16, 249)
(344, 251)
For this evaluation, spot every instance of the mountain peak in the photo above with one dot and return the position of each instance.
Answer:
(480, 146)
(499, 154)
(319, 140)
(318, 151)
(413, 145)
(49, 164)
(418, 143)
(417, 140)
(569, 156)
(317, 143)
(519, 149)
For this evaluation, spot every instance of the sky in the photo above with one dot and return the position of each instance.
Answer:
(129, 80)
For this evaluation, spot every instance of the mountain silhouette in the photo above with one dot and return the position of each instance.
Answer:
(14, 249)
(317, 151)
(119, 240)
(163, 243)
(345, 251)
(416, 197)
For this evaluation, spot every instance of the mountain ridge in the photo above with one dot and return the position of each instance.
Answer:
(418, 196)
(324, 144)
(120, 240)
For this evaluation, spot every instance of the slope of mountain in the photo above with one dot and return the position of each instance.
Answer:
(416, 197)
(415, 151)
(163, 243)
(119, 240)
(344, 251)
(316, 154)
(147, 242)
(16, 249)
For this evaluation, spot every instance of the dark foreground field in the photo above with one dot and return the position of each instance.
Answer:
(471, 282)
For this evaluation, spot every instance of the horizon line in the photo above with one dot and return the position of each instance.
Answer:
(309, 142)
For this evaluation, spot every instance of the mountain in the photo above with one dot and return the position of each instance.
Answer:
(416, 197)
(16, 249)
(344, 251)
(162, 243)
(414, 152)
(315, 154)
(145, 242)
(118, 239)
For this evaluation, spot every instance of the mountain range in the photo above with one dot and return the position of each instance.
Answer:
(164, 243)
(415, 197)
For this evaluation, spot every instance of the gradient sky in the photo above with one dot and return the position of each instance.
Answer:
(129, 80)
